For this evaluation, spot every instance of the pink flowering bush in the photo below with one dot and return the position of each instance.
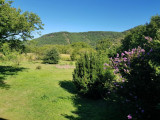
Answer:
(138, 81)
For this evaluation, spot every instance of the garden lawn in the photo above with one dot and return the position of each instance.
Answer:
(27, 93)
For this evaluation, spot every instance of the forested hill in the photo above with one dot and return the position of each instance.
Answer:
(65, 38)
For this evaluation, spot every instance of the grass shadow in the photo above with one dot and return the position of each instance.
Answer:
(68, 86)
(6, 71)
(88, 109)
(3, 119)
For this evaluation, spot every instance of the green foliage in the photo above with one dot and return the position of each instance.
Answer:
(79, 45)
(65, 38)
(135, 37)
(5, 49)
(11, 55)
(32, 47)
(14, 23)
(108, 47)
(143, 83)
(14, 44)
(90, 77)
(75, 49)
(80, 48)
(142, 87)
(64, 49)
(77, 53)
(52, 56)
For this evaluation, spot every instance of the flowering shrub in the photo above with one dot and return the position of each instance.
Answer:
(138, 82)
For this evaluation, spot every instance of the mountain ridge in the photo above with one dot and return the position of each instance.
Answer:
(65, 38)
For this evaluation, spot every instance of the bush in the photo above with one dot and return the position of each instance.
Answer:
(108, 47)
(52, 56)
(89, 76)
(77, 53)
(139, 85)
(12, 56)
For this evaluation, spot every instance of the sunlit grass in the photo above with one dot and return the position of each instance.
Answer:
(45, 94)
(65, 57)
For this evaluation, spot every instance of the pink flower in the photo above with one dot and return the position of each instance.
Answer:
(134, 50)
(125, 59)
(122, 54)
(142, 50)
(129, 117)
(105, 64)
(147, 38)
(139, 47)
(125, 65)
(126, 52)
(116, 59)
(127, 71)
(117, 55)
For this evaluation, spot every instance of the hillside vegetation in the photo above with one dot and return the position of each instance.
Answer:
(65, 38)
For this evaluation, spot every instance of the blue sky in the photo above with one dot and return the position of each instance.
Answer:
(90, 15)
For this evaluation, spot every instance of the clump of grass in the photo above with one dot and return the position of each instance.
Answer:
(38, 67)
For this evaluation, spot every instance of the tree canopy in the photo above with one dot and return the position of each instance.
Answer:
(136, 36)
(15, 24)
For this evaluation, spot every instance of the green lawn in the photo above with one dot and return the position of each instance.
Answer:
(46, 94)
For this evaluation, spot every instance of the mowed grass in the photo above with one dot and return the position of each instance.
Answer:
(27, 93)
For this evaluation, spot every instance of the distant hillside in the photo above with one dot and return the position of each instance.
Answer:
(64, 38)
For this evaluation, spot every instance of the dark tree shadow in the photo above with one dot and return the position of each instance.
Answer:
(68, 86)
(88, 109)
(5, 71)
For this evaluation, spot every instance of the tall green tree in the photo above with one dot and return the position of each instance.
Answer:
(107, 47)
(136, 36)
(15, 24)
